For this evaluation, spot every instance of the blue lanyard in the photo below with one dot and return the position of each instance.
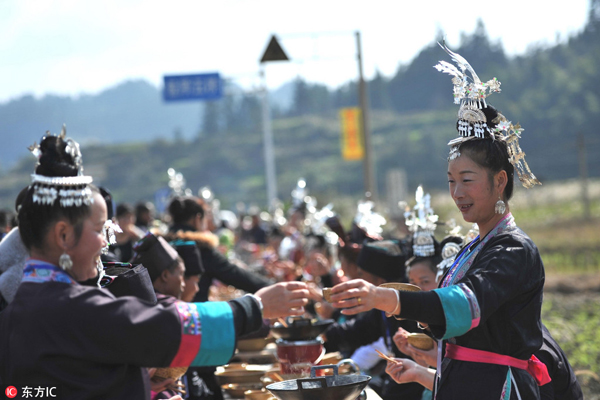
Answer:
(387, 338)
(458, 262)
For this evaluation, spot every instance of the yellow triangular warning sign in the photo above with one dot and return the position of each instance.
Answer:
(274, 52)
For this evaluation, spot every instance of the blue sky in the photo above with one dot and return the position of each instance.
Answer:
(70, 47)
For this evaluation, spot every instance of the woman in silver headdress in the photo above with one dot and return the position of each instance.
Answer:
(486, 313)
(83, 341)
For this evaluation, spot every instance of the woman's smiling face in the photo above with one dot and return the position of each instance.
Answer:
(471, 189)
(86, 251)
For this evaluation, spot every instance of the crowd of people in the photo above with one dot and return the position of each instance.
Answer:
(99, 299)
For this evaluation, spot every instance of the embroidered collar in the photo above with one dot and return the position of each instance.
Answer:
(41, 271)
(465, 258)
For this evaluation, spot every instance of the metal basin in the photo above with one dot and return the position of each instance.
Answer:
(331, 387)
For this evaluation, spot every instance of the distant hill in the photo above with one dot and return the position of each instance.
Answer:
(132, 111)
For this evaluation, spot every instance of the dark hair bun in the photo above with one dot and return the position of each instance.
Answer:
(55, 160)
(175, 206)
(490, 114)
(182, 209)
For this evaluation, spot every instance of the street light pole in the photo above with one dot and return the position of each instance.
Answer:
(273, 52)
(268, 142)
(369, 175)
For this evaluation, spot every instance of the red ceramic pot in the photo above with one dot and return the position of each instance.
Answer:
(296, 357)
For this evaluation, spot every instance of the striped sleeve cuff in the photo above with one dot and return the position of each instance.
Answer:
(207, 334)
(461, 309)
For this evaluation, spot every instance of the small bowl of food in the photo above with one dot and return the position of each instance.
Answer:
(420, 341)
(256, 344)
(237, 390)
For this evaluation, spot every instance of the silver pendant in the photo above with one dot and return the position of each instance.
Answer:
(500, 207)
(65, 261)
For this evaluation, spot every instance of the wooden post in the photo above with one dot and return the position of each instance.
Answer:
(583, 176)
(369, 175)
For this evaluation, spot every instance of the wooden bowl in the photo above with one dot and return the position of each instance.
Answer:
(232, 366)
(237, 390)
(403, 287)
(256, 344)
(257, 394)
(420, 341)
(239, 376)
(170, 373)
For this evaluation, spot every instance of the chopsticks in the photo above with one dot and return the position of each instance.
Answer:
(177, 387)
(390, 359)
(275, 376)
(282, 321)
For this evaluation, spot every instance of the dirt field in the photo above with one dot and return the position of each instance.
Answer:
(572, 314)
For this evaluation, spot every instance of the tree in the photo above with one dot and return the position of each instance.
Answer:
(379, 97)
(211, 119)
(301, 98)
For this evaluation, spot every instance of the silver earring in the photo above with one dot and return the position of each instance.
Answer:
(65, 261)
(500, 207)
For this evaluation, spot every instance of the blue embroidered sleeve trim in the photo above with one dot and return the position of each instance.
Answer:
(218, 334)
(456, 310)
(473, 305)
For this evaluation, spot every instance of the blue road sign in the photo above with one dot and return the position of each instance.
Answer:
(193, 87)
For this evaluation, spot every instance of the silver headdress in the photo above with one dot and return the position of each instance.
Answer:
(300, 195)
(449, 252)
(109, 231)
(206, 194)
(71, 191)
(450, 248)
(368, 220)
(421, 221)
(177, 183)
(318, 224)
(470, 92)
(319, 218)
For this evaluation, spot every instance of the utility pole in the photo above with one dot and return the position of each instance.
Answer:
(583, 176)
(369, 173)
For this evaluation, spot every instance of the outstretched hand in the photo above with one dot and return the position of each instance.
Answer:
(354, 296)
(425, 358)
(358, 296)
(283, 299)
